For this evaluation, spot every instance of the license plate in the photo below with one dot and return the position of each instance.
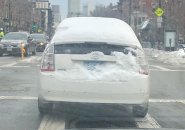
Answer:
(9, 49)
(91, 65)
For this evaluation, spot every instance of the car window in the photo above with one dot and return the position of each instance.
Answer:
(15, 36)
(85, 48)
(38, 37)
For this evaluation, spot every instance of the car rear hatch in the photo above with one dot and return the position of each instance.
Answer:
(95, 61)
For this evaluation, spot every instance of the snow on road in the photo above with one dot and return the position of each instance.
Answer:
(175, 57)
(32, 59)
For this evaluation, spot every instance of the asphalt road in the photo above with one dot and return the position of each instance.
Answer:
(18, 99)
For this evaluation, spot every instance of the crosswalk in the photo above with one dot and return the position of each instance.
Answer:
(9, 62)
(58, 123)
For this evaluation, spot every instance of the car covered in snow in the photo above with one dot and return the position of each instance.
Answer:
(94, 63)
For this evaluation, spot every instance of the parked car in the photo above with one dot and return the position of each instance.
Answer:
(94, 64)
(12, 43)
(41, 40)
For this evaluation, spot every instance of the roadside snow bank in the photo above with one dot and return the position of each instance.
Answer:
(176, 57)
(124, 68)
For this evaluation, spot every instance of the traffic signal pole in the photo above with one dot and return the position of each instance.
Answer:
(160, 32)
(9, 13)
(130, 11)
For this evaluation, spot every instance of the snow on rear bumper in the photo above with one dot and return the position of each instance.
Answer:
(134, 91)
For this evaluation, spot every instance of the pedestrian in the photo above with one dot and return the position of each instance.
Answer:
(1, 33)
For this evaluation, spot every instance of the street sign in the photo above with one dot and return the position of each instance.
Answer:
(159, 22)
(159, 12)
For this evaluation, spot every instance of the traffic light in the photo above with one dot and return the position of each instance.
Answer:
(34, 27)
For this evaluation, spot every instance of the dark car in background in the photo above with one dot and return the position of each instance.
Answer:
(13, 41)
(1, 50)
(41, 40)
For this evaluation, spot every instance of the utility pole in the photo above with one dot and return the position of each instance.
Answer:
(160, 32)
(130, 11)
(9, 14)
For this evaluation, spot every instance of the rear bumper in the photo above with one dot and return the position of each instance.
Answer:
(135, 91)
(15, 50)
(93, 110)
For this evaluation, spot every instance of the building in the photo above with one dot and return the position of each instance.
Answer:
(88, 8)
(56, 15)
(15, 15)
(43, 6)
(74, 8)
(135, 12)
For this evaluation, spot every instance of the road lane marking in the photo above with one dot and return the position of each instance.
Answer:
(167, 70)
(50, 122)
(154, 70)
(174, 66)
(9, 65)
(35, 98)
(17, 98)
(167, 101)
(159, 67)
(15, 67)
(148, 122)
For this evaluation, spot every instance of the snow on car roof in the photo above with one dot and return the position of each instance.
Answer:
(95, 29)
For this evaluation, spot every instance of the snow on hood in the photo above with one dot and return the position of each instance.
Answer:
(176, 57)
(124, 69)
(95, 29)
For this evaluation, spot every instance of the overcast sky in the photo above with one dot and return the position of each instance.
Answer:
(64, 4)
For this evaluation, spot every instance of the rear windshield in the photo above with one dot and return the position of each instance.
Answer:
(85, 48)
(15, 36)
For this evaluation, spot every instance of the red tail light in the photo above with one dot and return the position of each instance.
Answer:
(47, 63)
(143, 65)
(144, 70)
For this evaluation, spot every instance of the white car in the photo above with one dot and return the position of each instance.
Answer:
(94, 61)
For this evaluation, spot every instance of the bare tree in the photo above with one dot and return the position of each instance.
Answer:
(106, 11)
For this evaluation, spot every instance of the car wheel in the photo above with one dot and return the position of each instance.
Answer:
(140, 110)
(34, 52)
(1, 54)
(44, 108)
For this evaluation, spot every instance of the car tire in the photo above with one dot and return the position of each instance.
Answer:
(140, 110)
(1, 54)
(34, 52)
(44, 108)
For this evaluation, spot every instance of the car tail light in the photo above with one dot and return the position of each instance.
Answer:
(143, 65)
(47, 63)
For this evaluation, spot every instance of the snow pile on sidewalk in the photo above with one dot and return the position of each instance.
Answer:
(175, 57)
(124, 68)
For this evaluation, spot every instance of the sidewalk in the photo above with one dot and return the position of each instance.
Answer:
(175, 57)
